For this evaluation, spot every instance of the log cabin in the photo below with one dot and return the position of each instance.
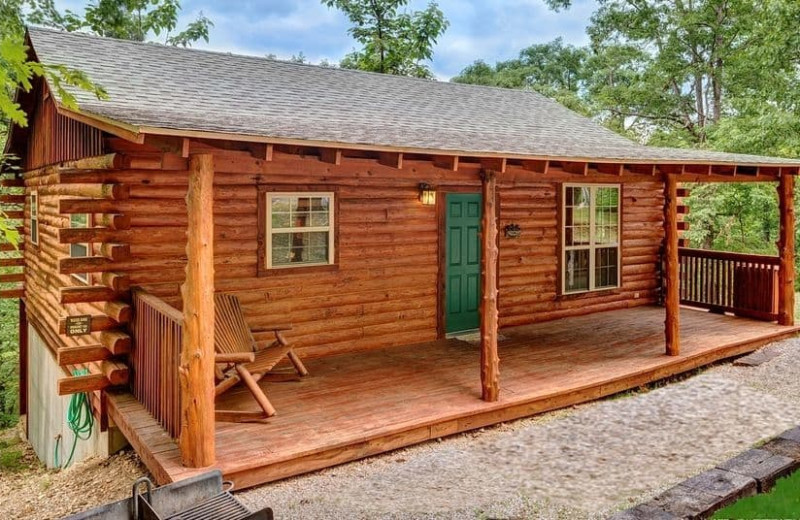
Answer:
(449, 256)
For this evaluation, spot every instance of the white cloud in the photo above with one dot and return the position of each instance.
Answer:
(489, 30)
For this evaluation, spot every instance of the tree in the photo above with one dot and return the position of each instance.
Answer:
(392, 42)
(133, 20)
(553, 69)
(689, 65)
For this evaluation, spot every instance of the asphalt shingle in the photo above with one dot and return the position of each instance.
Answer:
(152, 85)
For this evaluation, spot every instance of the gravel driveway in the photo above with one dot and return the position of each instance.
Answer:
(584, 462)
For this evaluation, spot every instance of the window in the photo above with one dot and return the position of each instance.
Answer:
(35, 217)
(591, 253)
(299, 229)
(79, 220)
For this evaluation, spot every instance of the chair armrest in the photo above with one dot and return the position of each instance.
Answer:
(235, 357)
(271, 328)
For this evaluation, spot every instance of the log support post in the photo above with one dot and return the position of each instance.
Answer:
(786, 249)
(672, 282)
(196, 370)
(490, 362)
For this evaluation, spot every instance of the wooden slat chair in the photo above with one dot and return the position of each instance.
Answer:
(240, 358)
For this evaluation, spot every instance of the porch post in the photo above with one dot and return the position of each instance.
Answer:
(197, 351)
(671, 287)
(786, 249)
(490, 363)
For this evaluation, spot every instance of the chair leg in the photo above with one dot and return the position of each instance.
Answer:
(258, 394)
(298, 364)
(226, 383)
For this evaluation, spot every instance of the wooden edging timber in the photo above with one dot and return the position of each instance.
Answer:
(747, 474)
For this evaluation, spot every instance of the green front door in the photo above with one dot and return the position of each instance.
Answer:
(463, 257)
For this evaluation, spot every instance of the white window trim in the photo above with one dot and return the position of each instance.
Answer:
(592, 247)
(34, 217)
(82, 277)
(329, 228)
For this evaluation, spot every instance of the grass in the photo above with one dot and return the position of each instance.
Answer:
(12, 455)
(782, 502)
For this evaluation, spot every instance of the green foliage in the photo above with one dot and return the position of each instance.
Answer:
(733, 217)
(135, 20)
(9, 363)
(719, 74)
(782, 502)
(393, 42)
(12, 455)
(553, 69)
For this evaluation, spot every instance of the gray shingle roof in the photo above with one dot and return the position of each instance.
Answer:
(174, 88)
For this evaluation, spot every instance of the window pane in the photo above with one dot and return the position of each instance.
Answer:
(576, 270)
(606, 267)
(78, 250)
(280, 220)
(281, 204)
(578, 196)
(319, 219)
(300, 248)
(607, 197)
(79, 220)
(301, 204)
(319, 204)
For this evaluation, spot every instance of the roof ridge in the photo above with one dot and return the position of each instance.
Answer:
(333, 68)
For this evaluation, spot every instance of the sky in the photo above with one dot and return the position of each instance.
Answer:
(491, 30)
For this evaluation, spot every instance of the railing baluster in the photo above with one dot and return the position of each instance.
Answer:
(729, 282)
(157, 340)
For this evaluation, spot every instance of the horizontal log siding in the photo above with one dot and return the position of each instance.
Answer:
(529, 265)
(384, 291)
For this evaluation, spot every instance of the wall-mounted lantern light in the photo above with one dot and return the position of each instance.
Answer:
(427, 195)
(512, 231)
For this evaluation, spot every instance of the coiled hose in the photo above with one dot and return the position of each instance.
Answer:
(79, 420)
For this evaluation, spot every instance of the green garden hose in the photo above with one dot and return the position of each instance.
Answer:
(79, 420)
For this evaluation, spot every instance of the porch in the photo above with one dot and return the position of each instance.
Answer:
(356, 405)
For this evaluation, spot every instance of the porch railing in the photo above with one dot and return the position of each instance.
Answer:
(746, 285)
(157, 330)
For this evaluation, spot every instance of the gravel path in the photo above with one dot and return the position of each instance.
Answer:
(584, 462)
(35, 493)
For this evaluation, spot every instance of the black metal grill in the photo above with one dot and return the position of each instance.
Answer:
(221, 507)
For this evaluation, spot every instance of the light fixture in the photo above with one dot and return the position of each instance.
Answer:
(427, 195)
(512, 231)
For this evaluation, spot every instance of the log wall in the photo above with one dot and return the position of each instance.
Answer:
(384, 291)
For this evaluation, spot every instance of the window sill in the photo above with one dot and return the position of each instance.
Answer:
(589, 294)
(300, 269)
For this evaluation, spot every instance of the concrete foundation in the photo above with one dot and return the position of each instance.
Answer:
(47, 412)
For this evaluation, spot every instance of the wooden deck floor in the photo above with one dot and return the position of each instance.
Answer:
(356, 405)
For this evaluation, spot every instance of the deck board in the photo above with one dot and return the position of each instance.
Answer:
(355, 405)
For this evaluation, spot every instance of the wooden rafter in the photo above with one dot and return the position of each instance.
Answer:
(448, 162)
(331, 155)
(391, 159)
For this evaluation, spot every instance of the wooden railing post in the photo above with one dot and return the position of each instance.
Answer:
(671, 274)
(197, 352)
(490, 362)
(786, 249)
